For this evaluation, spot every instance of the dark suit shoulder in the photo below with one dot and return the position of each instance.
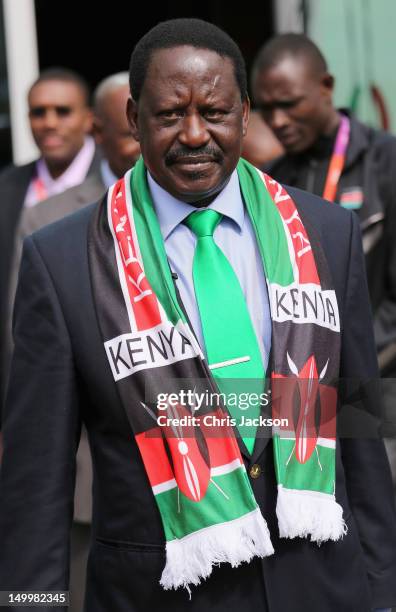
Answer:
(13, 173)
(63, 204)
(323, 215)
(66, 235)
(14, 183)
(88, 191)
(374, 136)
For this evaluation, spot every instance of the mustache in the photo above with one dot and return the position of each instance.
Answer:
(182, 152)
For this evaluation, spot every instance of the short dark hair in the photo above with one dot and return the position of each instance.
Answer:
(286, 45)
(179, 32)
(66, 75)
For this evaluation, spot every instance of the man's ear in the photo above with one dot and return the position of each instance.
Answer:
(88, 123)
(245, 114)
(97, 130)
(327, 83)
(132, 117)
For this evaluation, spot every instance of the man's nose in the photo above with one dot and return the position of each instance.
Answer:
(193, 131)
(50, 119)
(278, 118)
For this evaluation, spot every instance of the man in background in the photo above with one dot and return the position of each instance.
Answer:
(331, 154)
(61, 121)
(120, 151)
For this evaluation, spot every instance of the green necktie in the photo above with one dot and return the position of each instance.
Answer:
(230, 340)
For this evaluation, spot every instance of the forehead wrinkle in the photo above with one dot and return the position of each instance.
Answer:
(195, 66)
(198, 66)
(215, 87)
(193, 77)
(183, 92)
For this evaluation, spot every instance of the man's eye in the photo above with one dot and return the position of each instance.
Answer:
(38, 111)
(288, 104)
(63, 111)
(172, 114)
(41, 111)
(267, 109)
(214, 113)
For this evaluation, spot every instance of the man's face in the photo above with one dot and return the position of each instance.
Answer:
(294, 102)
(59, 119)
(190, 121)
(113, 133)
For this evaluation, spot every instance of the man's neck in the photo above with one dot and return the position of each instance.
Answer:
(209, 199)
(56, 170)
(333, 123)
(323, 146)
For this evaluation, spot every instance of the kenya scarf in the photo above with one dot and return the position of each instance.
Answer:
(207, 506)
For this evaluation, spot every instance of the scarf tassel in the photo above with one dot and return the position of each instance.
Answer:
(303, 514)
(190, 559)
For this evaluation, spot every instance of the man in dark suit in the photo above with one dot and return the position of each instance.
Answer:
(61, 121)
(189, 112)
(119, 152)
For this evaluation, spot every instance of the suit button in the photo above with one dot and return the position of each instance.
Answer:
(255, 470)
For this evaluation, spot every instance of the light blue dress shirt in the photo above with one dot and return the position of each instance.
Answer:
(107, 175)
(235, 236)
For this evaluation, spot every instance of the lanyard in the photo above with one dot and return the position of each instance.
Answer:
(337, 160)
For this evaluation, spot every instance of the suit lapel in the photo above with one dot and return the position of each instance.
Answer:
(259, 447)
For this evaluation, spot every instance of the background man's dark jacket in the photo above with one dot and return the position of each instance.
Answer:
(370, 166)
(60, 375)
(14, 183)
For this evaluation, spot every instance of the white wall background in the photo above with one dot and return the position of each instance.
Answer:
(358, 39)
(22, 69)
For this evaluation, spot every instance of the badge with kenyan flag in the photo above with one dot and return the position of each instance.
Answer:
(352, 198)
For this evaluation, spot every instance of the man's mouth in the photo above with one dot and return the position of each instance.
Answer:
(51, 142)
(286, 137)
(195, 159)
(195, 162)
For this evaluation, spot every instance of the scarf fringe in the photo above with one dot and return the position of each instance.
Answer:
(192, 558)
(309, 514)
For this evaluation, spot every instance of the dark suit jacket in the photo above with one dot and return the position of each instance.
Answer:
(60, 375)
(14, 183)
(32, 219)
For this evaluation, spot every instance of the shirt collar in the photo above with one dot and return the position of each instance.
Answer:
(108, 176)
(171, 211)
(74, 174)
